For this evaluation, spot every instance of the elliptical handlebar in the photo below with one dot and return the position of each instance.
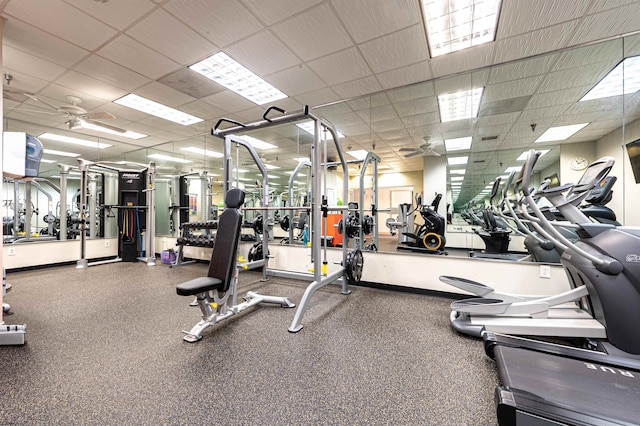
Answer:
(604, 264)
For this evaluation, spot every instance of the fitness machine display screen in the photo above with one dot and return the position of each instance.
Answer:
(633, 150)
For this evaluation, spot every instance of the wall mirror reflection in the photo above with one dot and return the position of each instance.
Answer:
(444, 140)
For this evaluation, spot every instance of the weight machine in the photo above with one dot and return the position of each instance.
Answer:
(350, 270)
(136, 193)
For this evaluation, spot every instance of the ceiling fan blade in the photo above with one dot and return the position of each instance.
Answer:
(37, 111)
(106, 126)
(408, 149)
(431, 154)
(100, 115)
(50, 105)
(413, 154)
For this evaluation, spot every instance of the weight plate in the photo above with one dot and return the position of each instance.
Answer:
(257, 224)
(354, 265)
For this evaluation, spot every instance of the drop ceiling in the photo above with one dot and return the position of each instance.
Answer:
(371, 54)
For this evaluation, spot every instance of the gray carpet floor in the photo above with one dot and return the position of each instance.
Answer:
(104, 347)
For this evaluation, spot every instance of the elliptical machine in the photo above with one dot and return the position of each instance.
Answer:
(428, 237)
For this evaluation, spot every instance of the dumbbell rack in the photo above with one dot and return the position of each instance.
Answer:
(189, 238)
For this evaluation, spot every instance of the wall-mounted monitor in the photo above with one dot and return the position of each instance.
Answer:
(633, 150)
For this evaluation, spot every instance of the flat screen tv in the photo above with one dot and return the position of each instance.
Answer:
(633, 150)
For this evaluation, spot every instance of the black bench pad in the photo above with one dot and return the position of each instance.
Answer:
(198, 285)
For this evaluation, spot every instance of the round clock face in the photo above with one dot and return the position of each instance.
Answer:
(578, 163)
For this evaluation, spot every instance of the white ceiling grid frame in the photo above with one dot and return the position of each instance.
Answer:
(222, 22)
(576, 77)
(341, 67)
(522, 69)
(263, 54)
(617, 21)
(137, 57)
(111, 73)
(523, 16)
(163, 94)
(23, 36)
(395, 50)
(511, 89)
(90, 87)
(359, 87)
(463, 60)
(369, 19)
(407, 75)
(558, 97)
(315, 33)
(533, 43)
(271, 12)
(164, 33)
(32, 66)
(68, 22)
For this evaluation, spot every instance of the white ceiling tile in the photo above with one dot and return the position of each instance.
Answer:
(340, 67)
(357, 130)
(533, 43)
(314, 33)
(296, 80)
(368, 19)
(359, 87)
(23, 63)
(631, 45)
(463, 60)
(90, 86)
(220, 21)
(609, 51)
(522, 68)
(521, 16)
(135, 56)
(111, 73)
(263, 54)
(30, 39)
(271, 12)
(511, 89)
(575, 77)
(559, 97)
(396, 50)
(407, 75)
(22, 83)
(421, 119)
(416, 106)
(118, 14)
(387, 125)
(318, 97)
(378, 114)
(67, 22)
(163, 94)
(229, 101)
(534, 114)
(415, 91)
(164, 33)
(622, 20)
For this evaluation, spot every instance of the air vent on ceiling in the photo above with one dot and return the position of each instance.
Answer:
(489, 138)
(478, 161)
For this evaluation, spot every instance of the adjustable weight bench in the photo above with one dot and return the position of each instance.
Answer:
(216, 293)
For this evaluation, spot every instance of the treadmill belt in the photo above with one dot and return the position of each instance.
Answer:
(583, 386)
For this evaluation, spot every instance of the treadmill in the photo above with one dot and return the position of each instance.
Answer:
(548, 384)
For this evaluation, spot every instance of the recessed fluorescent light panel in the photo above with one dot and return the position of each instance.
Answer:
(271, 167)
(457, 171)
(455, 161)
(44, 160)
(74, 141)
(168, 158)
(159, 110)
(458, 24)
(457, 178)
(224, 70)
(508, 170)
(309, 126)
(60, 153)
(459, 105)
(560, 133)
(301, 159)
(360, 154)
(525, 154)
(457, 144)
(624, 78)
(205, 152)
(257, 143)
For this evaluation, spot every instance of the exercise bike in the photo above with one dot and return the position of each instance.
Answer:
(428, 237)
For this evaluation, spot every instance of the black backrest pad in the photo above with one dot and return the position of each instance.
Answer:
(234, 198)
(224, 254)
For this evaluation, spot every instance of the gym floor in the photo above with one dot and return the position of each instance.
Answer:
(104, 347)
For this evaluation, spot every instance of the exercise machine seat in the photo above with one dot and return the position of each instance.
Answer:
(224, 253)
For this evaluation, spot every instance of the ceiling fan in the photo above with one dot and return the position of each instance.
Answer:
(426, 150)
(77, 117)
